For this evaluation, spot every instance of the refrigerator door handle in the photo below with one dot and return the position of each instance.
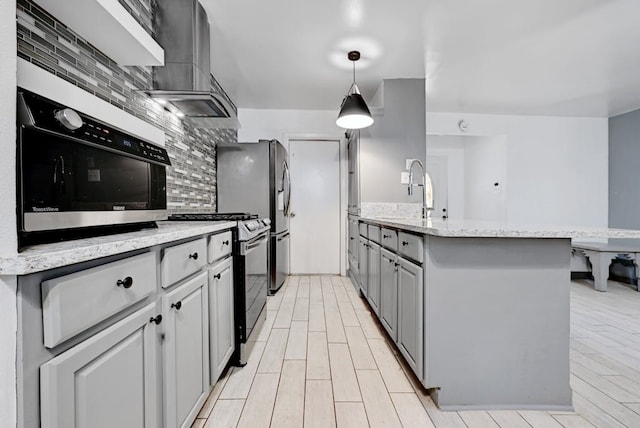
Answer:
(287, 179)
(283, 237)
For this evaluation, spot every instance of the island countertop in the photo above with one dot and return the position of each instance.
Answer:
(494, 229)
(42, 257)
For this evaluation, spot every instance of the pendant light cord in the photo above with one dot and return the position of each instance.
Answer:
(354, 71)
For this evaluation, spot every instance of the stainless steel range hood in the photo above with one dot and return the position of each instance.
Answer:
(185, 81)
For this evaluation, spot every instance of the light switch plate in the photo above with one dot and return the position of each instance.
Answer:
(404, 177)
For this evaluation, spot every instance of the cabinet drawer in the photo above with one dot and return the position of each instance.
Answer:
(363, 229)
(374, 233)
(75, 302)
(389, 239)
(219, 246)
(182, 260)
(410, 246)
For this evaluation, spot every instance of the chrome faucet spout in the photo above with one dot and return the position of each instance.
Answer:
(427, 188)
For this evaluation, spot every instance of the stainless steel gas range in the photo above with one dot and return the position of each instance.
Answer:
(251, 275)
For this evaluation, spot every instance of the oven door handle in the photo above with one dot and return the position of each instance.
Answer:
(248, 246)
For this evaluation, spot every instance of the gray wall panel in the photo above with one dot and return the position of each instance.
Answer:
(624, 170)
(398, 134)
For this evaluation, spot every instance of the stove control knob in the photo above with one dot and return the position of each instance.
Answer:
(69, 119)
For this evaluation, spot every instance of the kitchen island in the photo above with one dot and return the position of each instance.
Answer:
(487, 324)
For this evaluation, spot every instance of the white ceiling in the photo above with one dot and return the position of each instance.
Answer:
(552, 57)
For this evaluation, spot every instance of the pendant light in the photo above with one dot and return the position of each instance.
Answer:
(354, 113)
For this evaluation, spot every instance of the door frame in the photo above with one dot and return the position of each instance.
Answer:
(342, 141)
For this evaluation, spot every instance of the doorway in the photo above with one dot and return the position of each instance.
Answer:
(315, 221)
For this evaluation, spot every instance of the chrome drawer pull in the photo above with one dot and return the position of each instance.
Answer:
(125, 283)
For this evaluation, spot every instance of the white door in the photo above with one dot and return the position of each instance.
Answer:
(315, 207)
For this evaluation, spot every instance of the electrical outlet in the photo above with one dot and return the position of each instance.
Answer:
(407, 163)
(404, 177)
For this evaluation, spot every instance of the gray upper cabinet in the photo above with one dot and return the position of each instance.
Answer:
(389, 293)
(221, 327)
(410, 313)
(106, 381)
(186, 351)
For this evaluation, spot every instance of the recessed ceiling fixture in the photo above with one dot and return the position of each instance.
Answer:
(354, 113)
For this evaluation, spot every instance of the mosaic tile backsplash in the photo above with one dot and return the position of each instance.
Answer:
(49, 44)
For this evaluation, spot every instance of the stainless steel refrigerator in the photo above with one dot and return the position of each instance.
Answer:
(254, 178)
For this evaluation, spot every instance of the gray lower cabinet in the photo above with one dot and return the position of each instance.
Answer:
(410, 313)
(109, 380)
(363, 265)
(373, 286)
(186, 350)
(221, 331)
(389, 293)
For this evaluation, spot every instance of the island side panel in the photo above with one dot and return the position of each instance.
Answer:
(497, 322)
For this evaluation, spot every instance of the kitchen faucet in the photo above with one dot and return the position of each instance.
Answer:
(427, 189)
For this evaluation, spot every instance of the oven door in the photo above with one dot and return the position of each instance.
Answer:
(253, 291)
(66, 184)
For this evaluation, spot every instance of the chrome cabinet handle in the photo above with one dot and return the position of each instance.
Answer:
(125, 283)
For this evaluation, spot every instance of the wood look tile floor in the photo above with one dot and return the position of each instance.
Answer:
(323, 361)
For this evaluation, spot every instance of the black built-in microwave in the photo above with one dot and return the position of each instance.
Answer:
(76, 173)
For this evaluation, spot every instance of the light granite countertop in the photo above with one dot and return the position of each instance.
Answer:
(490, 229)
(48, 256)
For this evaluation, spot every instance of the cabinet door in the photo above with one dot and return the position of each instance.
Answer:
(186, 351)
(353, 167)
(109, 380)
(389, 293)
(410, 313)
(221, 331)
(363, 269)
(373, 284)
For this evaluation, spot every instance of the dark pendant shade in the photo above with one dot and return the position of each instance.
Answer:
(354, 113)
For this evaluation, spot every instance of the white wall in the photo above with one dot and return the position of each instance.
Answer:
(485, 164)
(259, 124)
(557, 167)
(8, 234)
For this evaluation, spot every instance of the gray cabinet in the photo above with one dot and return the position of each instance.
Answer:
(410, 314)
(363, 265)
(221, 331)
(352, 246)
(353, 167)
(373, 284)
(186, 351)
(109, 380)
(389, 293)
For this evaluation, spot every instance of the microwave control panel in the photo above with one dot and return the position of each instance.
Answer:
(51, 116)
